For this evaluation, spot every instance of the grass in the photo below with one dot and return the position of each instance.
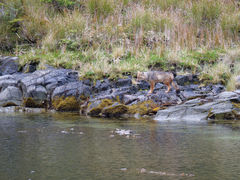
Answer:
(109, 38)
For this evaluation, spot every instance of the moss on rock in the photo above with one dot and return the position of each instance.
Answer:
(66, 104)
(114, 110)
(143, 108)
(95, 108)
(32, 103)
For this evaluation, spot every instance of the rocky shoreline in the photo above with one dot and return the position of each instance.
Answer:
(61, 90)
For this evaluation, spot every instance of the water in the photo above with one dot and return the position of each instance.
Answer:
(68, 147)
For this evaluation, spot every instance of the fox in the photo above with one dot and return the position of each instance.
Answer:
(153, 77)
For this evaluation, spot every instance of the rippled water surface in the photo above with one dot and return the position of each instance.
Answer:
(69, 147)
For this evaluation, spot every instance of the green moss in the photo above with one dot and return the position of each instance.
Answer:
(9, 104)
(115, 110)
(30, 102)
(143, 108)
(66, 104)
(94, 109)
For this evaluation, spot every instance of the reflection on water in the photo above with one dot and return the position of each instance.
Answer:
(67, 147)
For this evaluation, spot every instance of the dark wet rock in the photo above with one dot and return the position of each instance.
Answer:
(30, 68)
(87, 82)
(11, 96)
(143, 85)
(9, 65)
(186, 79)
(76, 89)
(216, 89)
(114, 110)
(102, 85)
(123, 82)
(163, 98)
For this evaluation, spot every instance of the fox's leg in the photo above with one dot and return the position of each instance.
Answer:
(169, 87)
(152, 84)
(175, 85)
(168, 84)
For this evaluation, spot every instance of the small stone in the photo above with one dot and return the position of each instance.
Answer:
(64, 132)
(123, 169)
(111, 136)
(143, 170)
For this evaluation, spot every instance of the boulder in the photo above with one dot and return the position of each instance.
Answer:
(96, 107)
(11, 96)
(186, 79)
(48, 79)
(123, 82)
(114, 110)
(9, 65)
(224, 106)
(7, 80)
(76, 89)
(102, 85)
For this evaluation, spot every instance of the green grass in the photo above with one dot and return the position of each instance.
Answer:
(111, 38)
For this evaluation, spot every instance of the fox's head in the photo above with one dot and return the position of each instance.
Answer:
(141, 76)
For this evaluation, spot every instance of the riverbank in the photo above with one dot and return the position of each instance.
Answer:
(62, 90)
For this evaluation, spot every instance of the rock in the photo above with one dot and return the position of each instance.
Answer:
(163, 98)
(7, 80)
(114, 110)
(96, 107)
(11, 96)
(142, 108)
(186, 79)
(9, 65)
(123, 82)
(102, 85)
(127, 99)
(43, 82)
(224, 106)
(76, 89)
(216, 89)
(66, 104)
(30, 68)
(192, 95)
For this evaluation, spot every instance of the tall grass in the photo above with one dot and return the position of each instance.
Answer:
(116, 34)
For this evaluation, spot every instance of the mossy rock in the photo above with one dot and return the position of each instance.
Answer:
(143, 108)
(95, 108)
(66, 104)
(32, 103)
(114, 110)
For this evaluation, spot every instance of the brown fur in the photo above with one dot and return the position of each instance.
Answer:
(154, 77)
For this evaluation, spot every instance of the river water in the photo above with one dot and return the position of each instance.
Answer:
(69, 147)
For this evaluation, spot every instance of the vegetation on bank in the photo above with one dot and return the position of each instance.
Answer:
(111, 38)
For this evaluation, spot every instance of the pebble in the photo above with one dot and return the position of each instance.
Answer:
(123, 169)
